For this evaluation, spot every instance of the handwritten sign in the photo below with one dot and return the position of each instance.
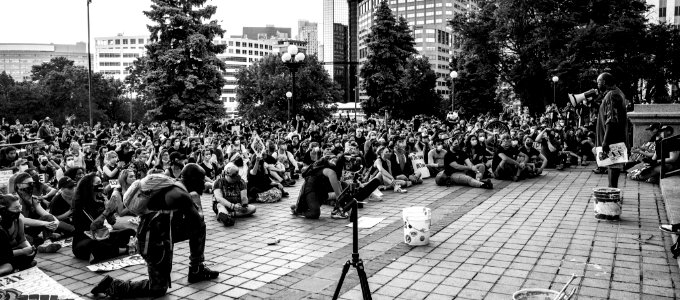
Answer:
(34, 284)
(5, 175)
(618, 153)
(132, 260)
(418, 161)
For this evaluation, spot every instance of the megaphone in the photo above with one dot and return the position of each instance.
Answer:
(582, 97)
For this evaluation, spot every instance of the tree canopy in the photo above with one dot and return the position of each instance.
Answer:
(180, 78)
(527, 42)
(394, 78)
(262, 89)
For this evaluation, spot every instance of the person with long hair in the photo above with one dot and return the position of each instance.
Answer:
(125, 219)
(88, 211)
(17, 253)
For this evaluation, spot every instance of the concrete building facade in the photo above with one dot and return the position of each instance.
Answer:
(308, 32)
(428, 22)
(664, 11)
(113, 55)
(267, 32)
(17, 59)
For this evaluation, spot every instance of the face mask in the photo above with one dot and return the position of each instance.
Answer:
(239, 162)
(68, 194)
(473, 143)
(9, 217)
(528, 145)
(44, 163)
(98, 188)
(514, 143)
(481, 139)
(165, 160)
(70, 163)
(440, 147)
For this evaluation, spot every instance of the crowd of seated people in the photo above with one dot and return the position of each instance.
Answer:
(67, 177)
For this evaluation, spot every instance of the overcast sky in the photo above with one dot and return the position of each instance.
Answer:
(65, 21)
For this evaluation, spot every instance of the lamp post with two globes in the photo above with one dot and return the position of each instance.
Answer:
(288, 96)
(293, 60)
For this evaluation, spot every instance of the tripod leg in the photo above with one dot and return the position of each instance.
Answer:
(345, 268)
(363, 279)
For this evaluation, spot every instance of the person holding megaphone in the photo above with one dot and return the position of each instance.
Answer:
(611, 121)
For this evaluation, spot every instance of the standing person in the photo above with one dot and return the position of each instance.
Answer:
(158, 231)
(611, 121)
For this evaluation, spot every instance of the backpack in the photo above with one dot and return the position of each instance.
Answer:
(138, 195)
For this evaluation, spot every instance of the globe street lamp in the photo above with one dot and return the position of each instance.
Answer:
(289, 95)
(555, 79)
(293, 60)
(453, 75)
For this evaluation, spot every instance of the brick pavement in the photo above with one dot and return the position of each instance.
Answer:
(485, 245)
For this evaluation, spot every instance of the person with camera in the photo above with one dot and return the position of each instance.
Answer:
(320, 178)
(231, 196)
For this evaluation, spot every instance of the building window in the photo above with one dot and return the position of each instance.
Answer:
(130, 55)
(140, 41)
(238, 51)
(132, 41)
(125, 41)
(662, 12)
(117, 42)
(677, 11)
(238, 44)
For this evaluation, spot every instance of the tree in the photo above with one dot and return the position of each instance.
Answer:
(59, 89)
(389, 45)
(478, 64)
(418, 82)
(539, 39)
(262, 90)
(181, 76)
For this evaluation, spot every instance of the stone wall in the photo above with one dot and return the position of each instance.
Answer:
(645, 114)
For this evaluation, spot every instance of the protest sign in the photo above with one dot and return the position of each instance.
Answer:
(418, 160)
(34, 284)
(618, 153)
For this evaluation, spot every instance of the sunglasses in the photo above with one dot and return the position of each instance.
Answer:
(233, 175)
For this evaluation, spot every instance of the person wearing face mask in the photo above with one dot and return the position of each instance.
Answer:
(477, 153)
(231, 196)
(535, 158)
(175, 216)
(125, 219)
(459, 169)
(384, 167)
(89, 212)
(242, 166)
(402, 166)
(16, 252)
(435, 158)
(508, 163)
(62, 207)
(36, 219)
(89, 159)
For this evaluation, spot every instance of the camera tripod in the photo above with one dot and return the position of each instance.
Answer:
(355, 261)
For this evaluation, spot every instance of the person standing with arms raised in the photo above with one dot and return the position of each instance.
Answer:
(612, 124)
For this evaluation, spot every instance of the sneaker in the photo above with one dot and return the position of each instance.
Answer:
(293, 210)
(103, 286)
(373, 198)
(560, 167)
(51, 248)
(487, 184)
(398, 189)
(284, 194)
(201, 273)
(225, 219)
(337, 214)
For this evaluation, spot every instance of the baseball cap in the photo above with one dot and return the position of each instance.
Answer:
(66, 182)
(231, 169)
(654, 126)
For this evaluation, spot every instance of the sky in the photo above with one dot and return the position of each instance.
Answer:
(65, 21)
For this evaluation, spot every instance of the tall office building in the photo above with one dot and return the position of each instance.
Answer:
(17, 59)
(113, 55)
(428, 22)
(308, 32)
(240, 53)
(338, 56)
(664, 11)
(267, 32)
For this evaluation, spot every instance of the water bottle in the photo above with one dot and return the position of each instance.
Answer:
(132, 245)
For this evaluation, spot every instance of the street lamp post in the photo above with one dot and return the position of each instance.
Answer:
(293, 60)
(555, 79)
(453, 75)
(89, 63)
(289, 95)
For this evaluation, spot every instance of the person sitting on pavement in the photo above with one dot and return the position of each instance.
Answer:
(12, 236)
(231, 196)
(534, 157)
(477, 153)
(458, 169)
(383, 166)
(505, 161)
(402, 166)
(320, 178)
(35, 218)
(125, 219)
(435, 158)
(92, 241)
(61, 207)
(671, 160)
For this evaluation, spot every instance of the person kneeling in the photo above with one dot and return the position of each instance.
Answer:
(231, 196)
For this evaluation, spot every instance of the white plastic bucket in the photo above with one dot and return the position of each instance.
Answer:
(417, 222)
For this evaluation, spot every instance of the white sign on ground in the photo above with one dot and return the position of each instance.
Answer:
(35, 283)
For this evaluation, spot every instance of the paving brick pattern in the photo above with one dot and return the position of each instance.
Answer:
(484, 245)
